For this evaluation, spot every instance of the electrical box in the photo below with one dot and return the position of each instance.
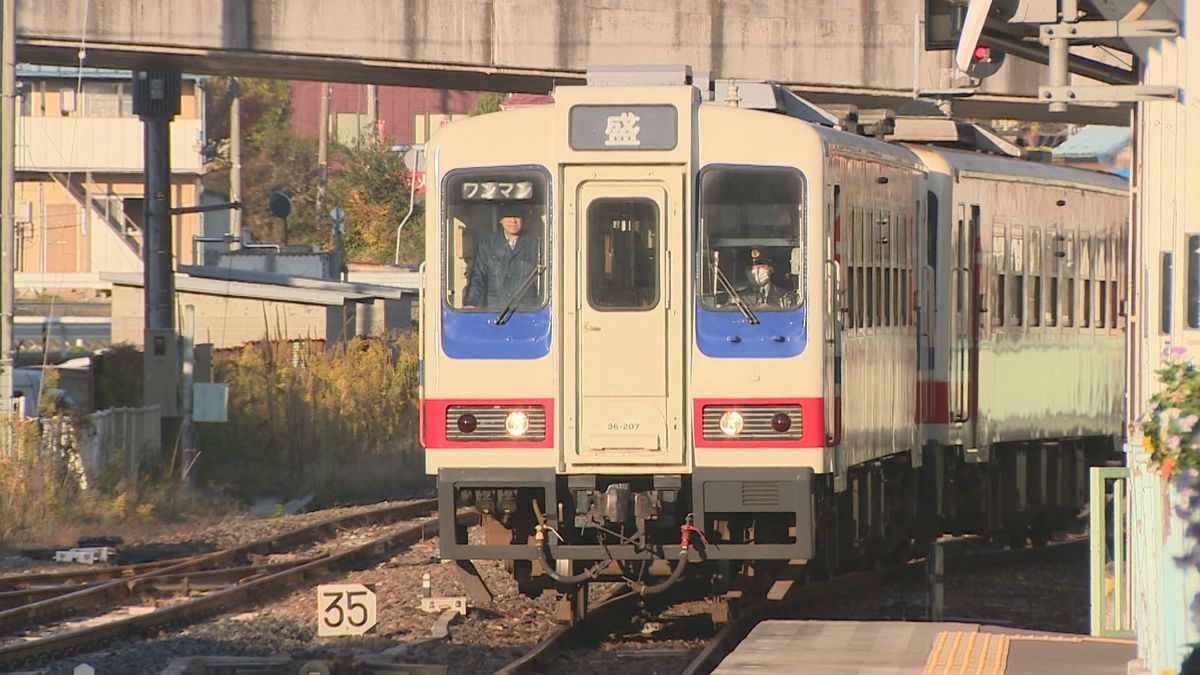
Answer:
(210, 402)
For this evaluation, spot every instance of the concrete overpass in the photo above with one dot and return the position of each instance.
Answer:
(860, 52)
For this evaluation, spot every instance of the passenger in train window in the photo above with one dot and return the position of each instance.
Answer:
(505, 258)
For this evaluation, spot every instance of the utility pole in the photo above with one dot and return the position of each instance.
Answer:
(156, 101)
(235, 157)
(8, 180)
(322, 146)
(373, 111)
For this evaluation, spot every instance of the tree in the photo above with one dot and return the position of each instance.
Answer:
(488, 103)
(370, 183)
(272, 157)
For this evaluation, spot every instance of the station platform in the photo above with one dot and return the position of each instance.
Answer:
(903, 647)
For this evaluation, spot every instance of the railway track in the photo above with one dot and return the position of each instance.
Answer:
(229, 582)
(602, 617)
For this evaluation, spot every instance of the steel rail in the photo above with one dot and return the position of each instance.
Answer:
(119, 589)
(272, 544)
(724, 642)
(250, 592)
(173, 582)
(538, 658)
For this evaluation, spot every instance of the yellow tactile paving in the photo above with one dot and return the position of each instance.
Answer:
(986, 653)
(983, 654)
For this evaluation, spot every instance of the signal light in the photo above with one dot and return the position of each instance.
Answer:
(984, 62)
(781, 422)
(467, 423)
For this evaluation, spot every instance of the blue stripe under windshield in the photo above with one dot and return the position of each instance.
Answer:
(475, 335)
(727, 334)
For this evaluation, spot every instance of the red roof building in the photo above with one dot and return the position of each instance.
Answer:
(406, 115)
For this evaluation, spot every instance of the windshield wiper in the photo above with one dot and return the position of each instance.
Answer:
(737, 297)
(511, 307)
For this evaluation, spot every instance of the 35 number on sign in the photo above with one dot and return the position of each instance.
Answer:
(345, 609)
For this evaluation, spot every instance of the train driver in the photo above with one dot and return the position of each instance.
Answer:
(762, 291)
(505, 258)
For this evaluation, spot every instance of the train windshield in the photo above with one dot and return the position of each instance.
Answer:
(496, 248)
(751, 255)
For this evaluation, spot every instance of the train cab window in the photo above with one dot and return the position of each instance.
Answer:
(496, 248)
(1034, 260)
(751, 239)
(1016, 305)
(999, 265)
(622, 267)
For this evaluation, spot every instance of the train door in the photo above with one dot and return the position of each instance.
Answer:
(964, 321)
(623, 332)
(832, 403)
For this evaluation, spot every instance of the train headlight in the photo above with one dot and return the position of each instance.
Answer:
(517, 423)
(467, 423)
(781, 422)
(731, 423)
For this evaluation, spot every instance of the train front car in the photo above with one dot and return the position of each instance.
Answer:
(631, 378)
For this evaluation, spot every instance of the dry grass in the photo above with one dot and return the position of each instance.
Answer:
(303, 418)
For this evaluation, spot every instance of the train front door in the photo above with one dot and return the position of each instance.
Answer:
(623, 331)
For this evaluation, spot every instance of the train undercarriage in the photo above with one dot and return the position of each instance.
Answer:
(738, 533)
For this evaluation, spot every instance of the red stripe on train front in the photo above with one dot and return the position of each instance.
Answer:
(433, 419)
(812, 421)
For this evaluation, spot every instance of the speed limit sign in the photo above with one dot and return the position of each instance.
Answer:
(345, 609)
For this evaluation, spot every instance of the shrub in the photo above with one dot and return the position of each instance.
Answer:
(300, 415)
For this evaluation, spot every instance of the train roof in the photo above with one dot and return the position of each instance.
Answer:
(961, 161)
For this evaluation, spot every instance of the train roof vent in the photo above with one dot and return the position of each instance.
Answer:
(653, 76)
(771, 97)
(949, 132)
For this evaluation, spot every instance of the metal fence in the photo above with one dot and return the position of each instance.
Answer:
(118, 438)
(1111, 592)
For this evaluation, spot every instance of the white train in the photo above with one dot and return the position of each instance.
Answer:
(663, 332)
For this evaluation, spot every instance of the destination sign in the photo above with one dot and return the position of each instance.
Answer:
(624, 127)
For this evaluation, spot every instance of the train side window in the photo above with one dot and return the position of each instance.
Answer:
(1101, 278)
(851, 263)
(1016, 268)
(1053, 264)
(475, 199)
(1193, 281)
(999, 263)
(1167, 270)
(869, 248)
(1070, 271)
(887, 262)
(751, 238)
(1085, 282)
(622, 266)
(1118, 253)
(1035, 276)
